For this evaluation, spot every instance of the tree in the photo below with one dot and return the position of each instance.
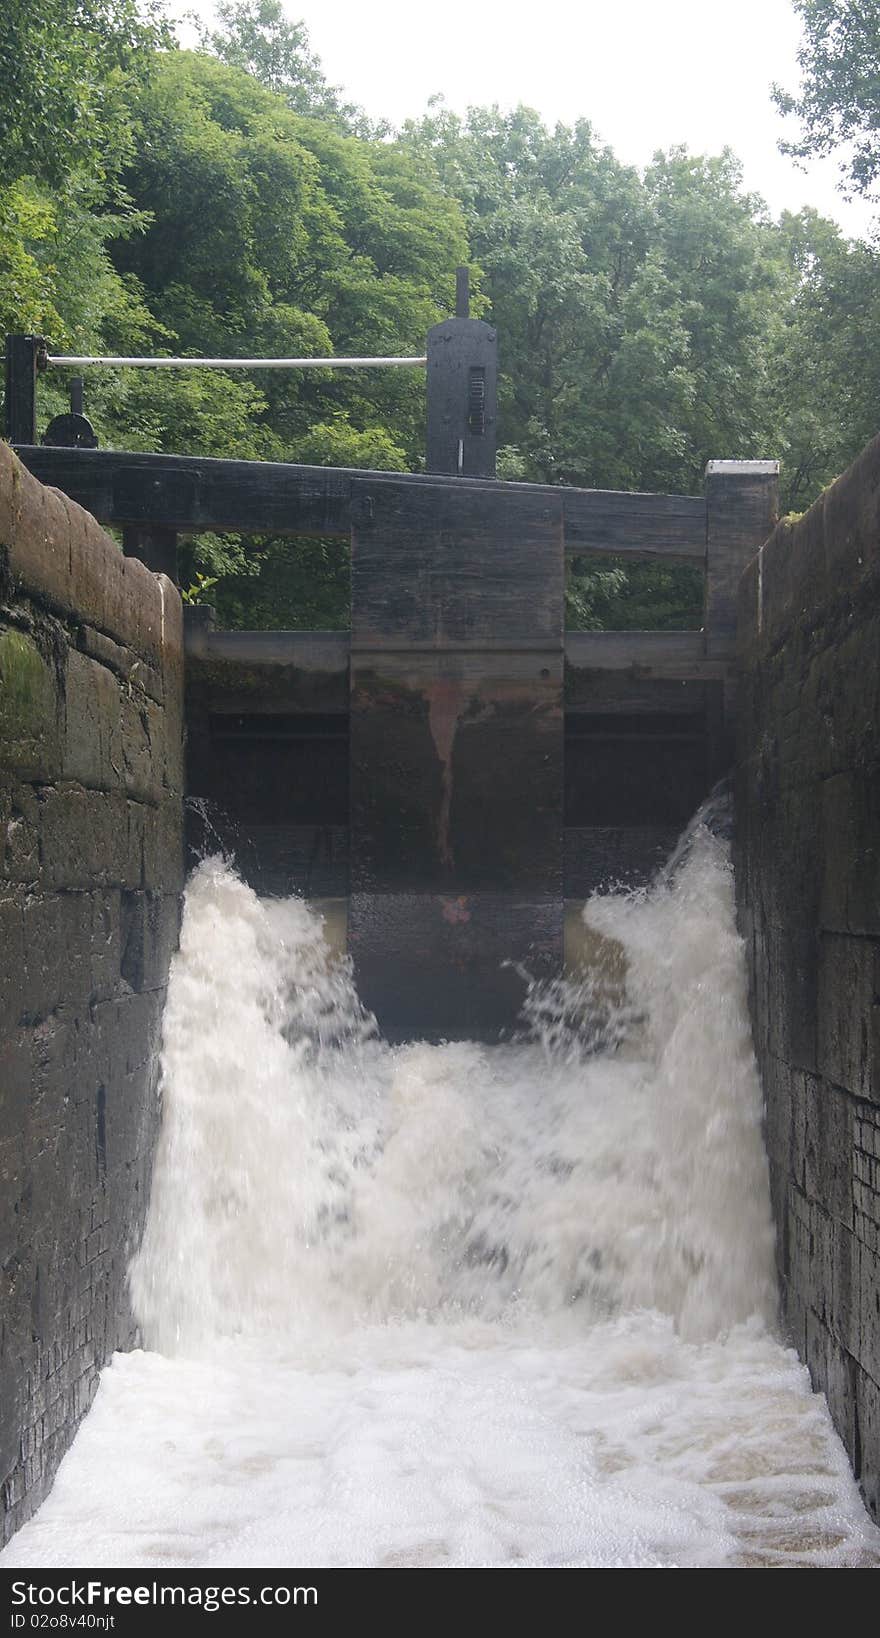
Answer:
(225, 202)
(256, 35)
(635, 314)
(637, 318)
(316, 242)
(827, 395)
(839, 99)
(67, 71)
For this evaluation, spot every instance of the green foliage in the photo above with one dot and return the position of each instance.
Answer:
(68, 70)
(257, 36)
(338, 443)
(316, 242)
(606, 594)
(197, 593)
(640, 320)
(635, 313)
(838, 104)
(302, 585)
(70, 74)
(824, 379)
(226, 202)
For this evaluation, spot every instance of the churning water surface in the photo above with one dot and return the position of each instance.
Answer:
(456, 1305)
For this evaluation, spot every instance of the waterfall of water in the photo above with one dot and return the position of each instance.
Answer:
(449, 1304)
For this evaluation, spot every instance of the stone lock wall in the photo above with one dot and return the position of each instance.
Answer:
(808, 886)
(91, 662)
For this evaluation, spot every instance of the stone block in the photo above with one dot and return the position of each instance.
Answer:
(39, 551)
(142, 747)
(833, 1371)
(58, 947)
(791, 994)
(144, 612)
(778, 590)
(93, 746)
(97, 574)
(845, 1300)
(130, 1119)
(163, 866)
(867, 1298)
(852, 519)
(165, 739)
(150, 927)
(105, 952)
(31, 719)
(9, 464)
(137, 675)
(12, 990)
(72, 949)
(20, 835)
(778, 1116)
(809, 562)
(125, 1036)
(172, 625)
(826, 1146)
(868, 1406)
(849, 1013)
(87, 839)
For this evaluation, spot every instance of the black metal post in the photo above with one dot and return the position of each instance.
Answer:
(21, 388)
(462, 392)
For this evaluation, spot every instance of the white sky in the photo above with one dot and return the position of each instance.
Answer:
(647, 75)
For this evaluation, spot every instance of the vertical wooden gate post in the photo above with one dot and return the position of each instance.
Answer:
(456, 753)
(154, 545)
(742, 508)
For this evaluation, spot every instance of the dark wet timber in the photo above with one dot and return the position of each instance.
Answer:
(458, 765)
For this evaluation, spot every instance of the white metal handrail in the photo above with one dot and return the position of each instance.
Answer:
(239, 363)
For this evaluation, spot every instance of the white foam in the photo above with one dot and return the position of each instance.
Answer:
(455, 1305)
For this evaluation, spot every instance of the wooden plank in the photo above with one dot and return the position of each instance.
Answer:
(439, 567)
(602, 857)
(275, 673)
(625, 780)
(456, 754)
(191, 495)
(630, 693)
(611, 672)
(456, 774)
(280, 859)
(154, 545)
(325, 651)
(742, 500)
(661, 654)
(450, 967)
(634, 525)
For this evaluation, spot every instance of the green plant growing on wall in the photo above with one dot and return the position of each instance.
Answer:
(196, 594)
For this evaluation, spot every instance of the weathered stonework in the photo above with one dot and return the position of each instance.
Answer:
(808, 887)
(91, 773)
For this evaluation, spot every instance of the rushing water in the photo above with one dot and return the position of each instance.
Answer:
(451, 1305)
